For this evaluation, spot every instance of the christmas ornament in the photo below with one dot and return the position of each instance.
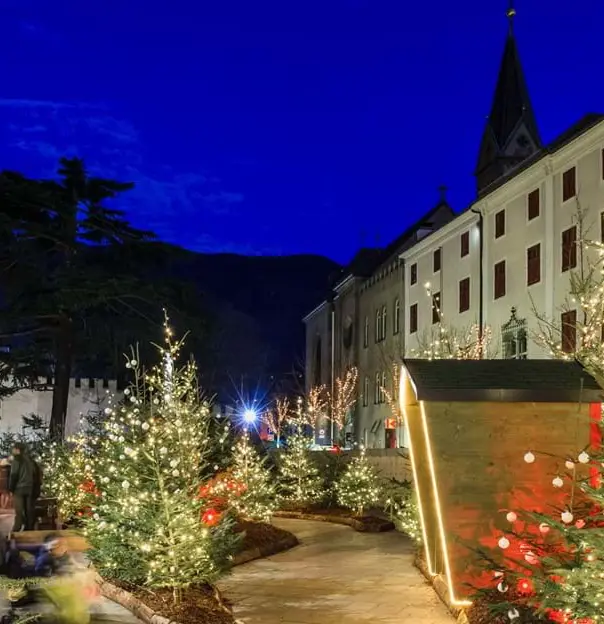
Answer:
(511, 517)
(504, 543)
(583, 458)
(558, 482)
(567, 517)
(529, 458)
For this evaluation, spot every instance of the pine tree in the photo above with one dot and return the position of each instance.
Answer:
(254, 498)
(300, 480)
(150, 526)
(359, 488)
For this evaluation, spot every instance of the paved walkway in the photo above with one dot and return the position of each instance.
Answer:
(336, 576)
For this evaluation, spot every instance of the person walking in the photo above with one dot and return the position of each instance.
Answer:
(24, 484)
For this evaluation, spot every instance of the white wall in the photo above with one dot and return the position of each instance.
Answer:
(82, 400)
(549, 295)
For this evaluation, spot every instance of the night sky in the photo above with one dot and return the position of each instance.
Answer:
(277, 127)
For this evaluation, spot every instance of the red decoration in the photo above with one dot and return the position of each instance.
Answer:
(211, 517)
(525, 587)
(335, 449)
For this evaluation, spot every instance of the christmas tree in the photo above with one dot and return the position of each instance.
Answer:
(254, 497)
(150, 526)
(300, 480)
(359, 486)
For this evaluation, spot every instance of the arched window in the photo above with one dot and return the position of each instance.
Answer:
(376, 392)
(378, 325)
(366, 333)
(384, 324)
(366, 391)
(397, 316)
(383, 389)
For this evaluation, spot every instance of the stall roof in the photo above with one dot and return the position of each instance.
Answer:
(549, 381)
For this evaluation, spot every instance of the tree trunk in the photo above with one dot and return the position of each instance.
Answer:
(60, 392)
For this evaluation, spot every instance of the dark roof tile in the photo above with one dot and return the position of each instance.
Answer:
(553, 381)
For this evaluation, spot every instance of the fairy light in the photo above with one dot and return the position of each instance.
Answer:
(276, 417)
(343, 398)
(148, 523)
(359, 488)
(301, 483)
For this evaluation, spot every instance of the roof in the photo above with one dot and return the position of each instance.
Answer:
(511, 102)
(514, 381)
(586, 123)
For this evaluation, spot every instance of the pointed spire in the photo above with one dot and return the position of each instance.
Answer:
(442, 192)
(511, 134)
(511, 13)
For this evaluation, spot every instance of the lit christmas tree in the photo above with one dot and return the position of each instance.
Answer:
(359, 486)
(254, 497)
(68, 476)
(300, 480)
(149, 525)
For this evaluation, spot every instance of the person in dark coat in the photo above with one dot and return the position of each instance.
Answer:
(24, 484)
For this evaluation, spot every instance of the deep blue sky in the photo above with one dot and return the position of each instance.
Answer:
(273, 126)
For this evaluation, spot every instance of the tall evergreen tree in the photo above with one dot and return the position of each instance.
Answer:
(50, 285)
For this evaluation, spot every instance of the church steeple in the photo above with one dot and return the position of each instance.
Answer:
(511, 133)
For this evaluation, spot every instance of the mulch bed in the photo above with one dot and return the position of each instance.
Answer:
(200, 604)
(260, 535)
(370, 523)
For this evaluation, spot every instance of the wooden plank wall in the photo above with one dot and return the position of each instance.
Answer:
(478, 451)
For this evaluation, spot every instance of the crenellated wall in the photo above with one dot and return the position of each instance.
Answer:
(85, 396)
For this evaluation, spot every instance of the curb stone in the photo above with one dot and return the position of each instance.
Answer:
(442, 591)
(355, 524)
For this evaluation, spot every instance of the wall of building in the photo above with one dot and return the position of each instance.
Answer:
(82, 400)
(379, 354)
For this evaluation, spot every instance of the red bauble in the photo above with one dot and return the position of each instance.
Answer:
(525, 587)
(210, 517)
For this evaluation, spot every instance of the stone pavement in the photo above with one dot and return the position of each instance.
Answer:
(336, 576)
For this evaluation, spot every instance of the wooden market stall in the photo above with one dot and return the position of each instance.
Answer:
(470, 424)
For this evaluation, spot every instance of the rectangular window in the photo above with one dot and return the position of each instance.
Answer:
(464, 294)
(569, 248)
(602, 227)
(533, 205)
(437, 261)
(533, 265)
(413, 274)
(500, 224)
(569, 183)
(602, 164)
(465, 244)
(569, 331)
(366, 333)
(436, 308)
(397, 317)
(413, 318)
(499, 270)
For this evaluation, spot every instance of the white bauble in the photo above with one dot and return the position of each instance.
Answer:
(544, 528)
(569, 464)
(529, 457)
(511, 517)
(566, 517)
(583, 458)
(504, 543)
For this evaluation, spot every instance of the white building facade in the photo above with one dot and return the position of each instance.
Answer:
(493, 267)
